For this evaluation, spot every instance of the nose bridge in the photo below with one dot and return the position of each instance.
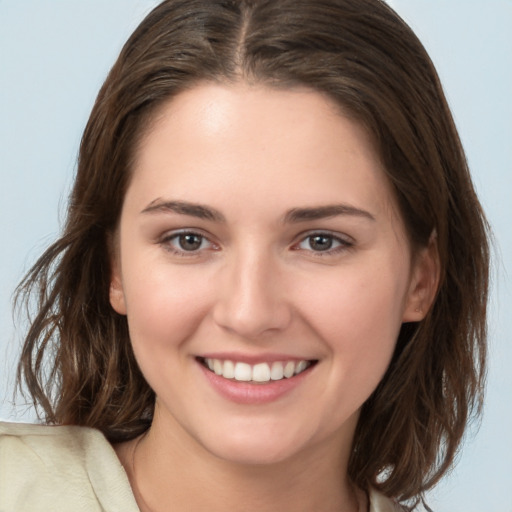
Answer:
(252, 300)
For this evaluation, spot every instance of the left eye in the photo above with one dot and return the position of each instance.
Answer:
(321, 242)
(187, 242)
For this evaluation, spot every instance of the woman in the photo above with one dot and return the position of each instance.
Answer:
(272, 282)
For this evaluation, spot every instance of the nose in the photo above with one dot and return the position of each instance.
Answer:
(252, 302)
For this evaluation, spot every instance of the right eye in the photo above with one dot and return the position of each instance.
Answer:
(186, 243)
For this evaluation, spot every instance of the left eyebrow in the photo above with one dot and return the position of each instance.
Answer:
(185, 208)
(323, 212)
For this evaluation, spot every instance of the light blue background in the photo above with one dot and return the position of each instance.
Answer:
(54, 55)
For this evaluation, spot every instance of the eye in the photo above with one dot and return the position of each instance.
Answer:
(323, 243)
(186, 243)
(189, 241)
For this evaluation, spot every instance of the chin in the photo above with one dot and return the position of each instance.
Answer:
(256, 454)
(250, 442)
(249, 448)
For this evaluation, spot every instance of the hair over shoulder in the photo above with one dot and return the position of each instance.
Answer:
(77, 363)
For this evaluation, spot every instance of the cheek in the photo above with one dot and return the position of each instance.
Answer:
(358, 316)
(164, 304)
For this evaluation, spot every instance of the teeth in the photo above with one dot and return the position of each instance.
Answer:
(217, 366)
(277, 372)
(289, 369)
(243, 371)
(229, 370)
(301, 366)
(261, 372)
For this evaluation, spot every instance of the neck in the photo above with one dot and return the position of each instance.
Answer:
(169, 474)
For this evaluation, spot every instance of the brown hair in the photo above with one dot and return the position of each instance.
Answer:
(77, 360)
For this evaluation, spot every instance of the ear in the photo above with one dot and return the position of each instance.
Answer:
(116, 292)
(424, 283)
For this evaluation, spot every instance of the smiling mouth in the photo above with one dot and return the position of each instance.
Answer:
(257, 373)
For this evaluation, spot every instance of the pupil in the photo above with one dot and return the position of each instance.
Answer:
(320, 243)
(190, 242)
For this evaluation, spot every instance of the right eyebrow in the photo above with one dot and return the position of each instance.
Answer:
(185, 208)
(322, 212)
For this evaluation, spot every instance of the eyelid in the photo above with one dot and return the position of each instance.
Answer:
(346, 242)
(168, 236)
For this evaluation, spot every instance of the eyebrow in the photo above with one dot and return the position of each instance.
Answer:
(323, 212)
(294, 215)
(185, 208)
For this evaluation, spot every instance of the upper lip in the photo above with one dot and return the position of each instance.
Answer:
(253, 359)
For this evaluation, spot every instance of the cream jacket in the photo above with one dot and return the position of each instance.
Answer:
(73, 469)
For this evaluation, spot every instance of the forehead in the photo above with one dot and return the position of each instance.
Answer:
(218, 143)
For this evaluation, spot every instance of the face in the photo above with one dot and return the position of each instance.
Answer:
(264, 271)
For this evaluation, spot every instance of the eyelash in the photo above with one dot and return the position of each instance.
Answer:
(167, 243)
(343, 243)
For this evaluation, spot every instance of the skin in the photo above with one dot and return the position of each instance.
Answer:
(257, 287)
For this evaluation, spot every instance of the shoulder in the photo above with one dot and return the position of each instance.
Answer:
(66, 440)
(45, 468)
(381, 503)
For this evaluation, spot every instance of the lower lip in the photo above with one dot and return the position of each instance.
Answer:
(253, 394)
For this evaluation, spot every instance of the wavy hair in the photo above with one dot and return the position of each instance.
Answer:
(77, 363)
